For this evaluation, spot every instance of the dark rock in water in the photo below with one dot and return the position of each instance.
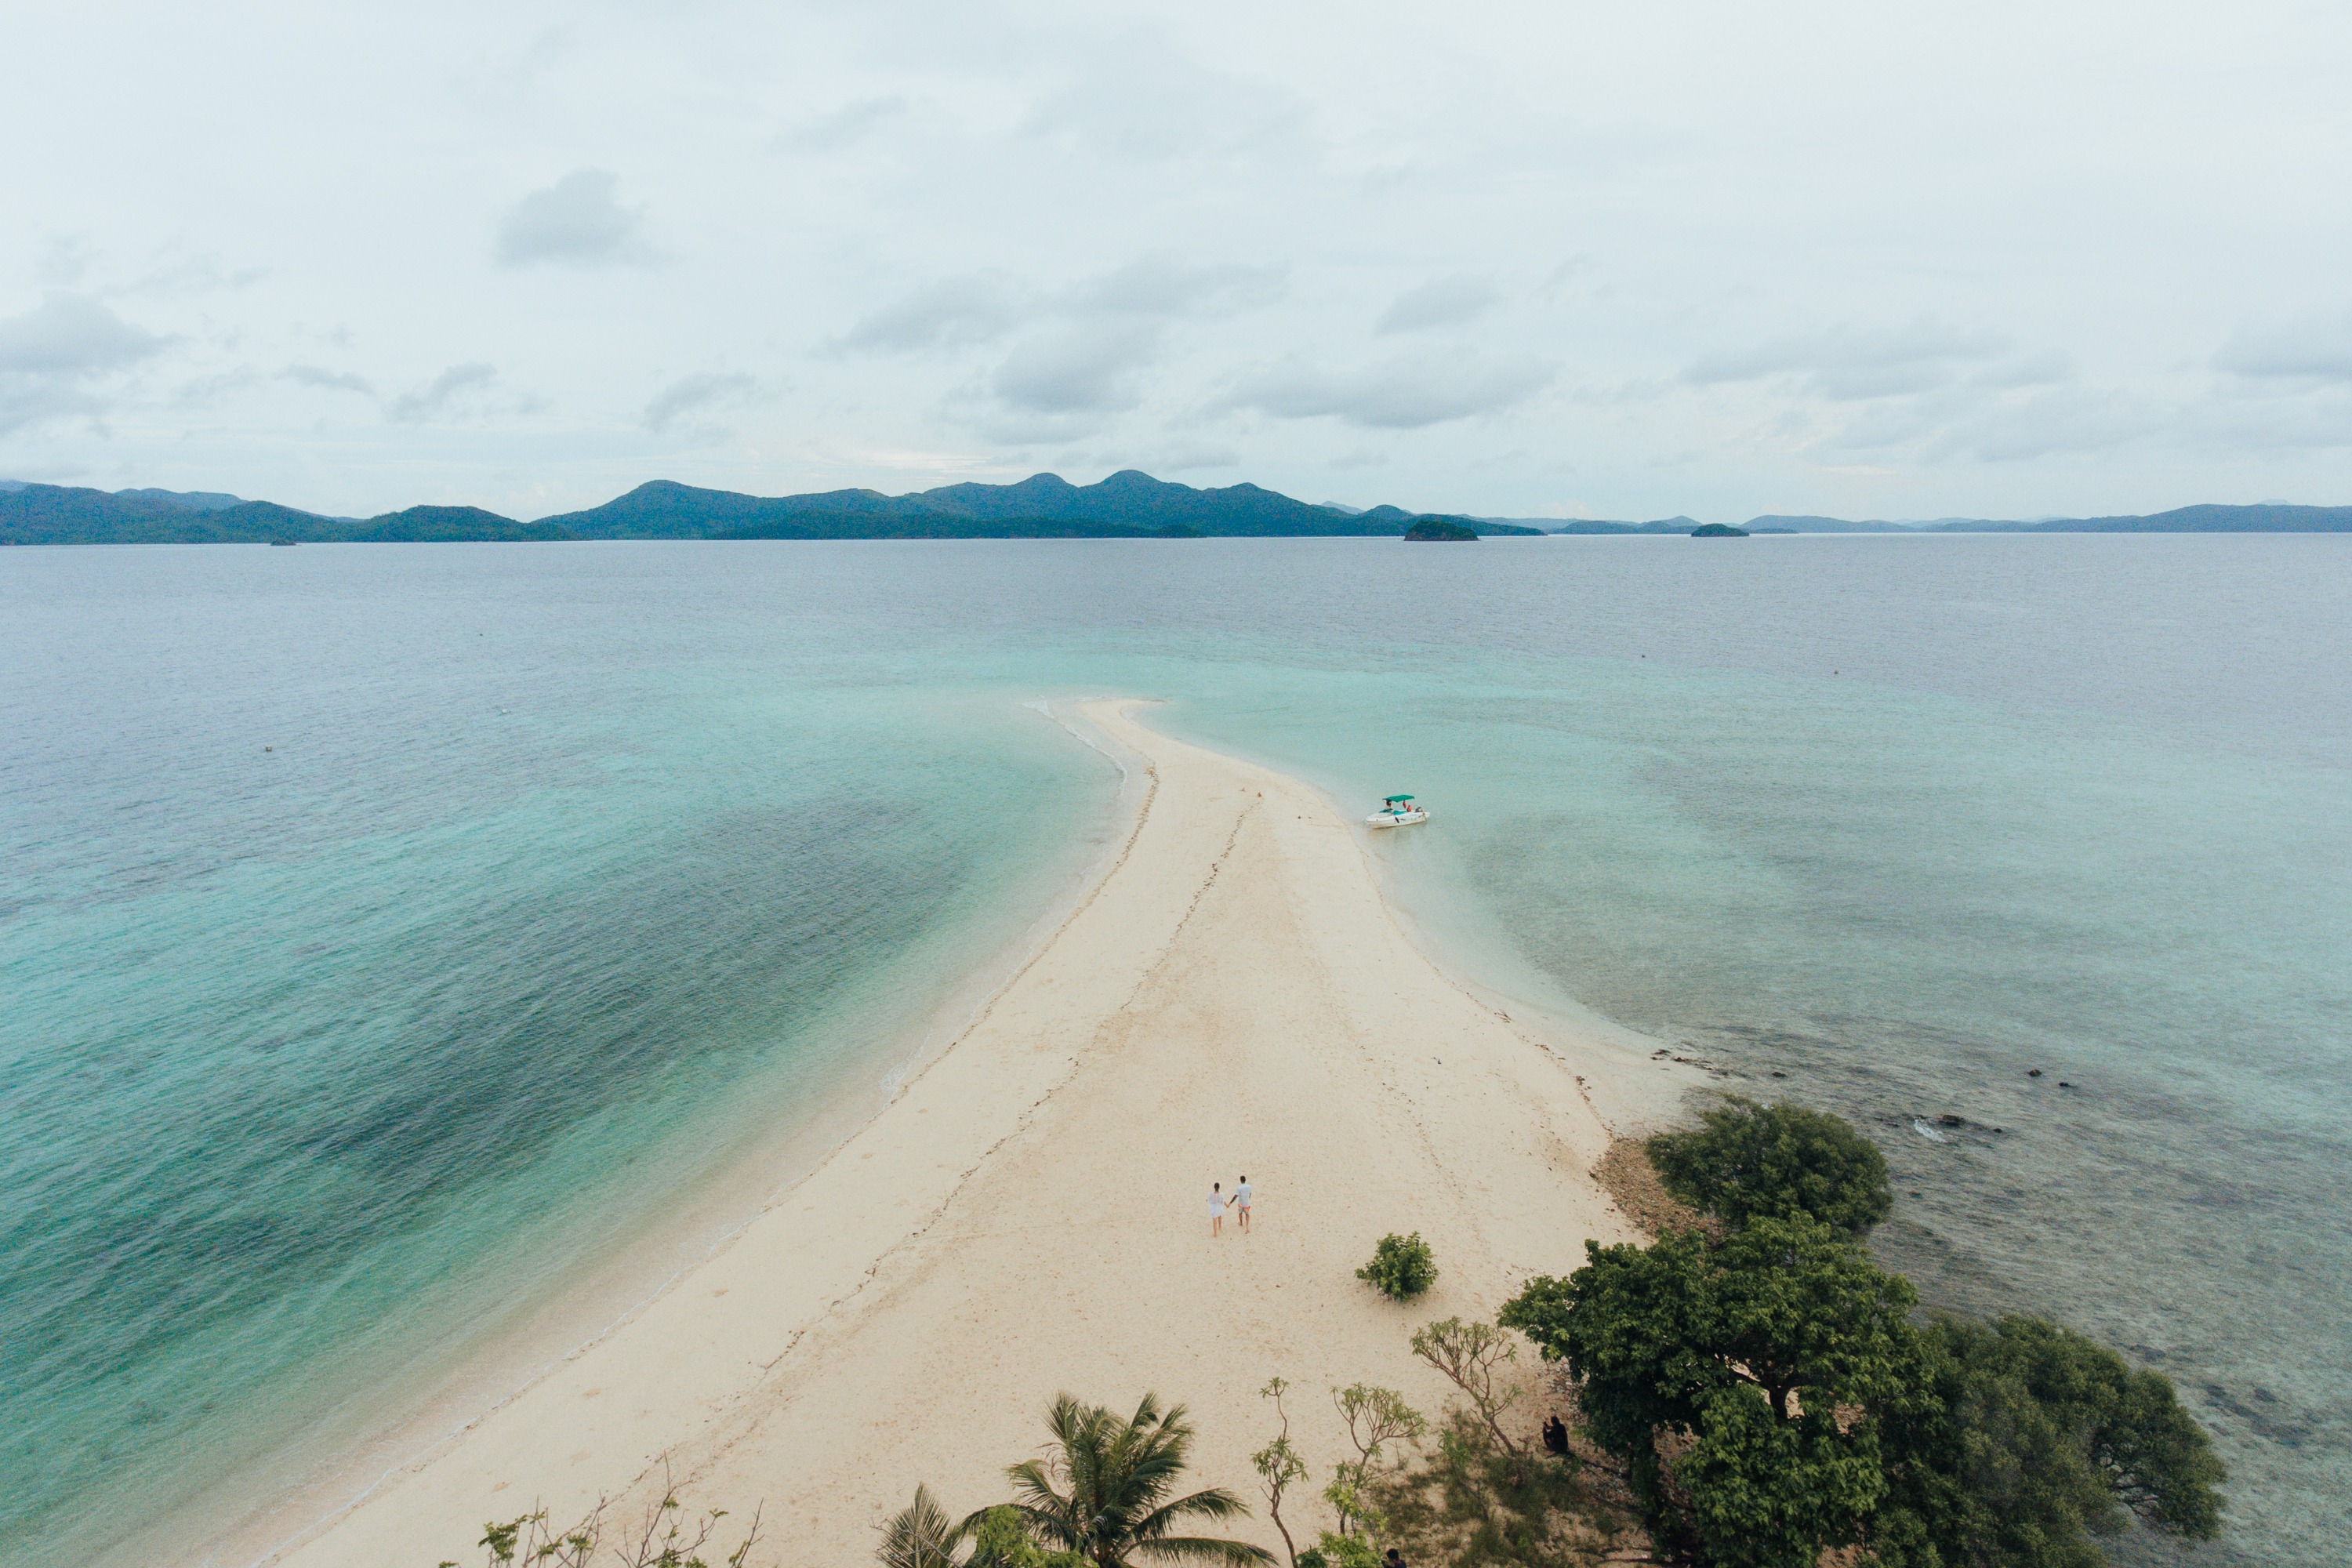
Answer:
(2033, 1072)
(2064, 1084)
(1437, 531)
(1778, 1073)
(1718, 531)
(1948, 1119)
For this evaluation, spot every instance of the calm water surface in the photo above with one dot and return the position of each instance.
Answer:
(573, 874)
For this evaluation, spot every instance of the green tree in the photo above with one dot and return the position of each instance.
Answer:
(2031, 1441)
(1747, 1160)
(1104, 1491)
(1339, 1552)
(920, 1535)
(1472, 1355)
(1280, 1467)
(1376, 1417)
(1000, 1540)
(1772, 1354)
(1770, 1492)
(1401, 1267)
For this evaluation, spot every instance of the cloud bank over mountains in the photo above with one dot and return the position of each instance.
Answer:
(1534, 260)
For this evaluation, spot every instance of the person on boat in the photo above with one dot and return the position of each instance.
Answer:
(1555, 1435)
(1242, 1202)
(1217, 1202)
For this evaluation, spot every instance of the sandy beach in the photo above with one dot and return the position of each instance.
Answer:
(1028, 1214)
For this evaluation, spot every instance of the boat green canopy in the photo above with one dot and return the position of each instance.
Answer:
(1391, 800)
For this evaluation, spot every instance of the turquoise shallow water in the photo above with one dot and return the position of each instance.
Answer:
(576, 876)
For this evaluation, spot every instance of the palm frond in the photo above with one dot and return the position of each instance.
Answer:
(1216, 1502)
(920, 1535)
(1177, 1548)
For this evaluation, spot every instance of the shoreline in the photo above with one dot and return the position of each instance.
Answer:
(748, 1370)
(260, 1522)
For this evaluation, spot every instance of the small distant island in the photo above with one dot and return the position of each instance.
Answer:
(1718, 531)
(1439, 530)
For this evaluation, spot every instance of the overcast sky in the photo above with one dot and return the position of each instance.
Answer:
(1543, 259)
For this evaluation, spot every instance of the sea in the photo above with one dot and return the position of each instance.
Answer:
(413, 955)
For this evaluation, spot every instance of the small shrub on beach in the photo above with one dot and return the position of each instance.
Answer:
(1401, 1267)
(1748, 1160)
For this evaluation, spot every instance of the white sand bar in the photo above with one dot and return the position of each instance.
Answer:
(1028, 1214)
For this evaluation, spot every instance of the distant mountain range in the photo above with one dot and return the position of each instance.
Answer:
(1127, 505)
(2267, 518)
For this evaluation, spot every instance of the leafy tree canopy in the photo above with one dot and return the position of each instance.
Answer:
(1771, 1352)
(2033, 1439)
(1748, 1161)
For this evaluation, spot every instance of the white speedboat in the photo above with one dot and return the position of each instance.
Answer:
(1397, 811)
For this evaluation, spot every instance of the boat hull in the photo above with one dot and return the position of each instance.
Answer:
(1395, 818)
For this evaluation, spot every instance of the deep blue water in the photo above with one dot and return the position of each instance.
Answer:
(573, 874)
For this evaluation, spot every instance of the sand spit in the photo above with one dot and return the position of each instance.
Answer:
(1028, 1214)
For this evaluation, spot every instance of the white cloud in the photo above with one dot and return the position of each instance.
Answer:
(1077, 370)
(2316, 348)
(1407, 392)
(978, 307)
(694, 394)
(578, 222)
(851, 123)
(1161, 286)
(1187, 460)
(67, 334)
(445, 392)
(1440, 303)
(1850, 363)
(1146, 102)
(53, 356)
(327, 380)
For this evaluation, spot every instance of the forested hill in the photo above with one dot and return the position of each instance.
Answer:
(1128, 505)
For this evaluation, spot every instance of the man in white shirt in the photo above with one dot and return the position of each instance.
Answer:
(1242, 1200)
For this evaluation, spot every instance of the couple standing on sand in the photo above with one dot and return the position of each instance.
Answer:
(1219, 1202)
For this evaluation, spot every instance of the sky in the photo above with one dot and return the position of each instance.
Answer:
(1547, 259)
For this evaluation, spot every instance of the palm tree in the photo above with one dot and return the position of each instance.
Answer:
(920, 1535)
(1102, 1494)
